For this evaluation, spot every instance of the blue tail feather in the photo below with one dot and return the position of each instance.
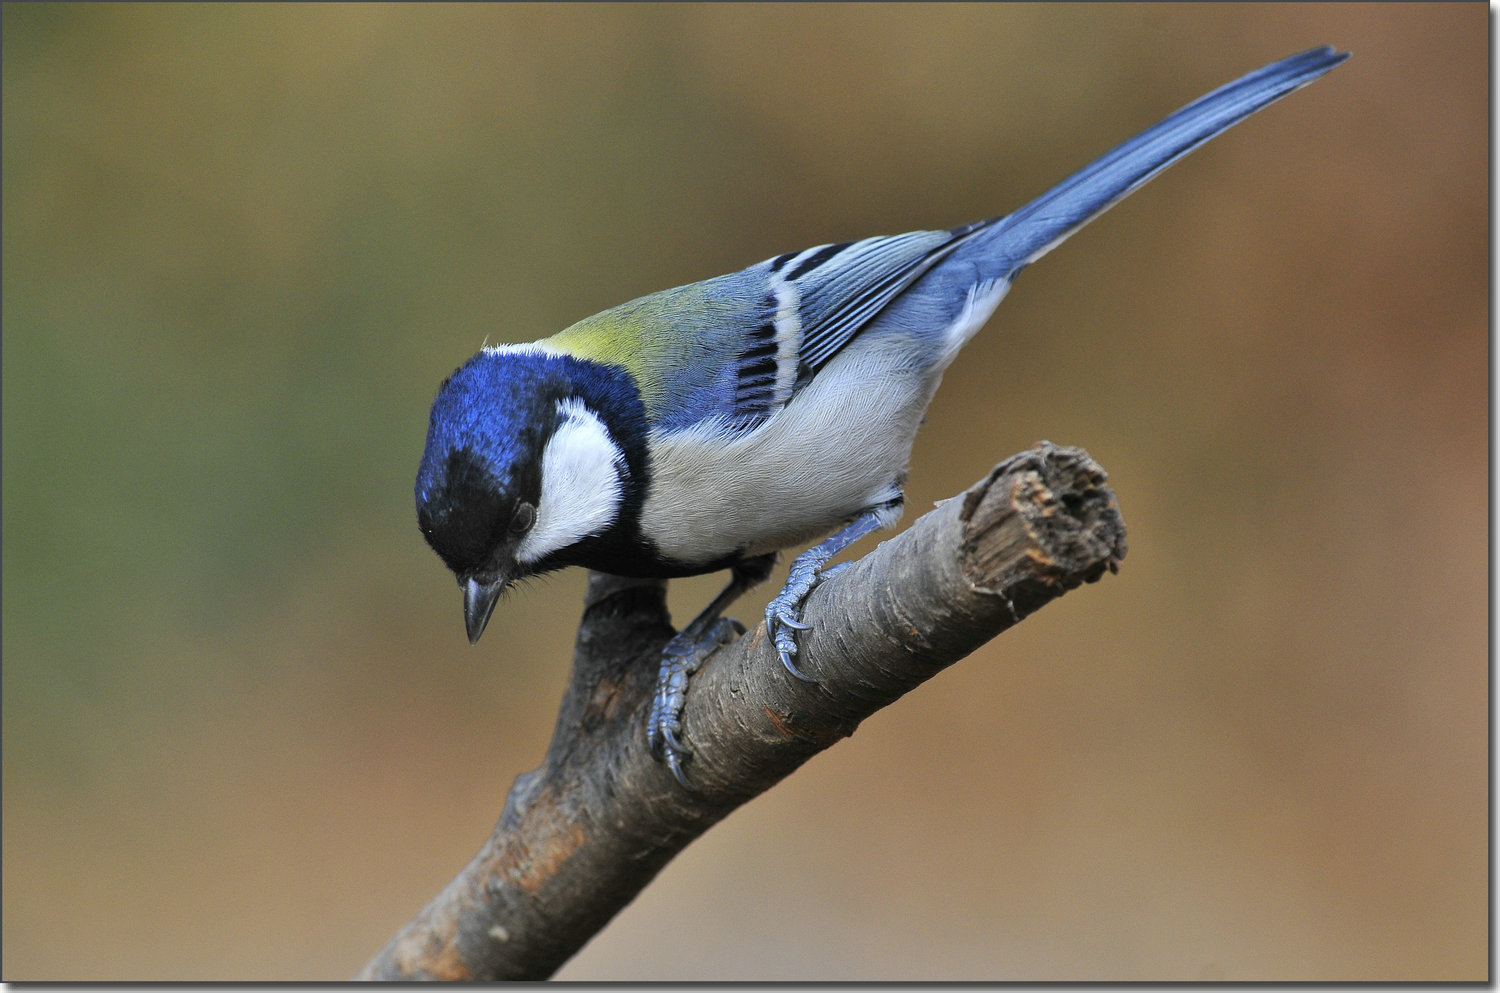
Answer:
(1030, 232)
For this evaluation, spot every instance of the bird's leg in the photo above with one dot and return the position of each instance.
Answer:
(686, 652)
(784, 612)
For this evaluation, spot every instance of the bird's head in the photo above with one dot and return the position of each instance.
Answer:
(519, 472)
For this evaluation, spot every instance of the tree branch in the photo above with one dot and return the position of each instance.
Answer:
(582, 835)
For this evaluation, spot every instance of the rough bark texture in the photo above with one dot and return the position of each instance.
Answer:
(582, 835)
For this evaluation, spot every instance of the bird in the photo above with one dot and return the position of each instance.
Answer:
(711, 426)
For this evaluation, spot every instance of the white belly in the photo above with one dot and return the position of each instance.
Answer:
(840, 446)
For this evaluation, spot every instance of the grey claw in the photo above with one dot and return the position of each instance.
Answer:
(781, 624)
(675, 764)
(786, 660)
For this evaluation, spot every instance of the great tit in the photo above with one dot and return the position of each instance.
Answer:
(707, 427)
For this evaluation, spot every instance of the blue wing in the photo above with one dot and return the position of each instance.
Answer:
(735, 349)
(807, 306)
(838, 288)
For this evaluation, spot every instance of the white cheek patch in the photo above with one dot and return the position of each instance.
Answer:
(581, 484)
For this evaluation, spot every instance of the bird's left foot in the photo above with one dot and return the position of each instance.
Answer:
(682, 657)
(784, 612)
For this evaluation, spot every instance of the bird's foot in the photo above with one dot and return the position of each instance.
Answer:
(784, 612)
(682, 657)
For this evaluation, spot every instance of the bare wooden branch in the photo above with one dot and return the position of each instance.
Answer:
(583, 834)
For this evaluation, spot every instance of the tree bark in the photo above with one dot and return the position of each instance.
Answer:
(583, 834)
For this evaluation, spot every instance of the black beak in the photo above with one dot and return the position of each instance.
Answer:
(479, 604)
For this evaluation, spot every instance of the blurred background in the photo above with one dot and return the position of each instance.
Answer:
(244, 736)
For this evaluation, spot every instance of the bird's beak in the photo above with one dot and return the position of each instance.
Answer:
(479, 604)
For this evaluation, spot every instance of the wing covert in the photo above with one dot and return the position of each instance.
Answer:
(840, 288)
(736, 348)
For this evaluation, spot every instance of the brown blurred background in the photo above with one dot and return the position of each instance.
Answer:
(244, 737)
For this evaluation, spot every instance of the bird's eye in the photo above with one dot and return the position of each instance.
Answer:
(524, 517)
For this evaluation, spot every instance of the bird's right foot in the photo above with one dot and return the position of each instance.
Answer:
(682, 657)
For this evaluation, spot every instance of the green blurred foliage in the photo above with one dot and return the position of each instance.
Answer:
(243, 736)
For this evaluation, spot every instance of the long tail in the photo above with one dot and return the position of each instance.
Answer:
(1031, 232)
